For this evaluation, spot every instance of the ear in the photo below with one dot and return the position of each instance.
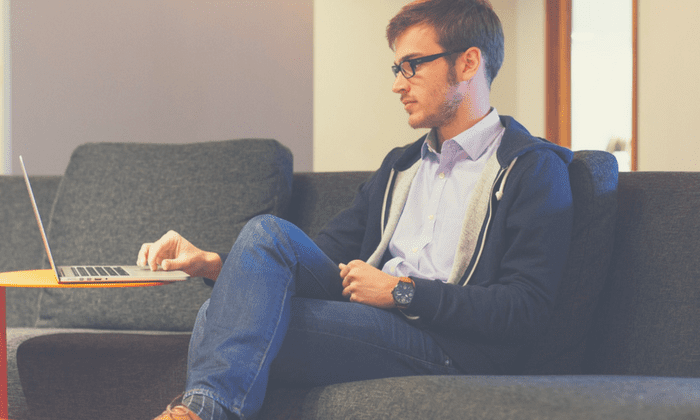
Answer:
(469, 63)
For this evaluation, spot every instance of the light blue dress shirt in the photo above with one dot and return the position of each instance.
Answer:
(426, 236)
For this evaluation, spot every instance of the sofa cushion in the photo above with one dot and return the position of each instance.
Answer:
(491, 397)
(318, 197)
(91, 375)
(114, 197)
(593, 178)
(135, 376)
(647, 322)
(21, 247)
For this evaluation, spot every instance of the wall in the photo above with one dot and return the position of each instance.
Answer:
(357, 119)
(5, 146)
(519, 89)
(152, 71)
(668, 85)
(530, 65)
(179, 71)
(159, 71)
(357, 113)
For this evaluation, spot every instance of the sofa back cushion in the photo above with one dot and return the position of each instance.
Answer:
(318, 197)
(649, 314)
(21, 247)
(114, 197)
(593, 178)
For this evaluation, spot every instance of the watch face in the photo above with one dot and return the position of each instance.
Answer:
(403, 293)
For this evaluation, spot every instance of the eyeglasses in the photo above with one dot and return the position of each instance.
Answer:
(408, 67)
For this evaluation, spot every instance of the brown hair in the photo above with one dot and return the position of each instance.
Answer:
(459, 24)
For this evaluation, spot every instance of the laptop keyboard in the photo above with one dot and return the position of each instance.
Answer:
(98, 271)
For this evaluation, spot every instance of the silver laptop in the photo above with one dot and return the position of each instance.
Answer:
(100, 273)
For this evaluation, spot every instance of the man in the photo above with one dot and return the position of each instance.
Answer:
(447, 262)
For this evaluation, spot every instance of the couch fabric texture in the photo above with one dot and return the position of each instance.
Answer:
(113, 197)
(621, 344)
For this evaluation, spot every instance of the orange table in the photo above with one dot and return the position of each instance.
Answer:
(35, 278)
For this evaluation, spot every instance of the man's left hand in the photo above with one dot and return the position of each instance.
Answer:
(368, 285)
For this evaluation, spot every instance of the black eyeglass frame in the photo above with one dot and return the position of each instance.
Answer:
(414, 62)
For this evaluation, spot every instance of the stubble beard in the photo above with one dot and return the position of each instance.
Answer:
(447, 111)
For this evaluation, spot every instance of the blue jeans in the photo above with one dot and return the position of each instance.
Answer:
(277, 310)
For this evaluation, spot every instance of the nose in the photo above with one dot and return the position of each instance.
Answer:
(400, 84)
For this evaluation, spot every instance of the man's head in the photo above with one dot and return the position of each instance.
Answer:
(440, 62)
(459, 25)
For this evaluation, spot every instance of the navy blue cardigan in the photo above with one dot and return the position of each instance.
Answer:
(485, 325)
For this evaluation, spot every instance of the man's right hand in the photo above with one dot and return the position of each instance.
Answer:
(173, 252)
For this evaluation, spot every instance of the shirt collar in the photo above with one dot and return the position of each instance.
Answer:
(474, 141)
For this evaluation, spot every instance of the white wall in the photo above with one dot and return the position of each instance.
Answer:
(530, 66)
(669, 85)
(159, 71)
(357, 119)
(519, 89)
(5, 133)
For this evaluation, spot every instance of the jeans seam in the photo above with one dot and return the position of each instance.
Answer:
(267, 350)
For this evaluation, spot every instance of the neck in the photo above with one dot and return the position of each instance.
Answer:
(462, 122)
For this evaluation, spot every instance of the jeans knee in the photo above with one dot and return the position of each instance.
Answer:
(264, 232)
(262, 222)
(202, 313)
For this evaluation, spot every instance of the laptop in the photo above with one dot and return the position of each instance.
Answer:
(98, 273)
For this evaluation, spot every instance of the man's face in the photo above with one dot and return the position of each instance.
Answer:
(431, 97)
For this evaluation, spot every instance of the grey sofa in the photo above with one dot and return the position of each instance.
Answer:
(623, 341)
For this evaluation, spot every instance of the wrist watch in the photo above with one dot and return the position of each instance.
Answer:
(403, 292)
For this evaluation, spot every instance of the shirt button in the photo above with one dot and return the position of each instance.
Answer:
(442, 175)
(431, 217)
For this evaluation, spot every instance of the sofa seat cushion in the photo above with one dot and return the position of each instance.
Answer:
(132, 375)
(136, 375)
(16, 336)
(116, 196)
(492, 397)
